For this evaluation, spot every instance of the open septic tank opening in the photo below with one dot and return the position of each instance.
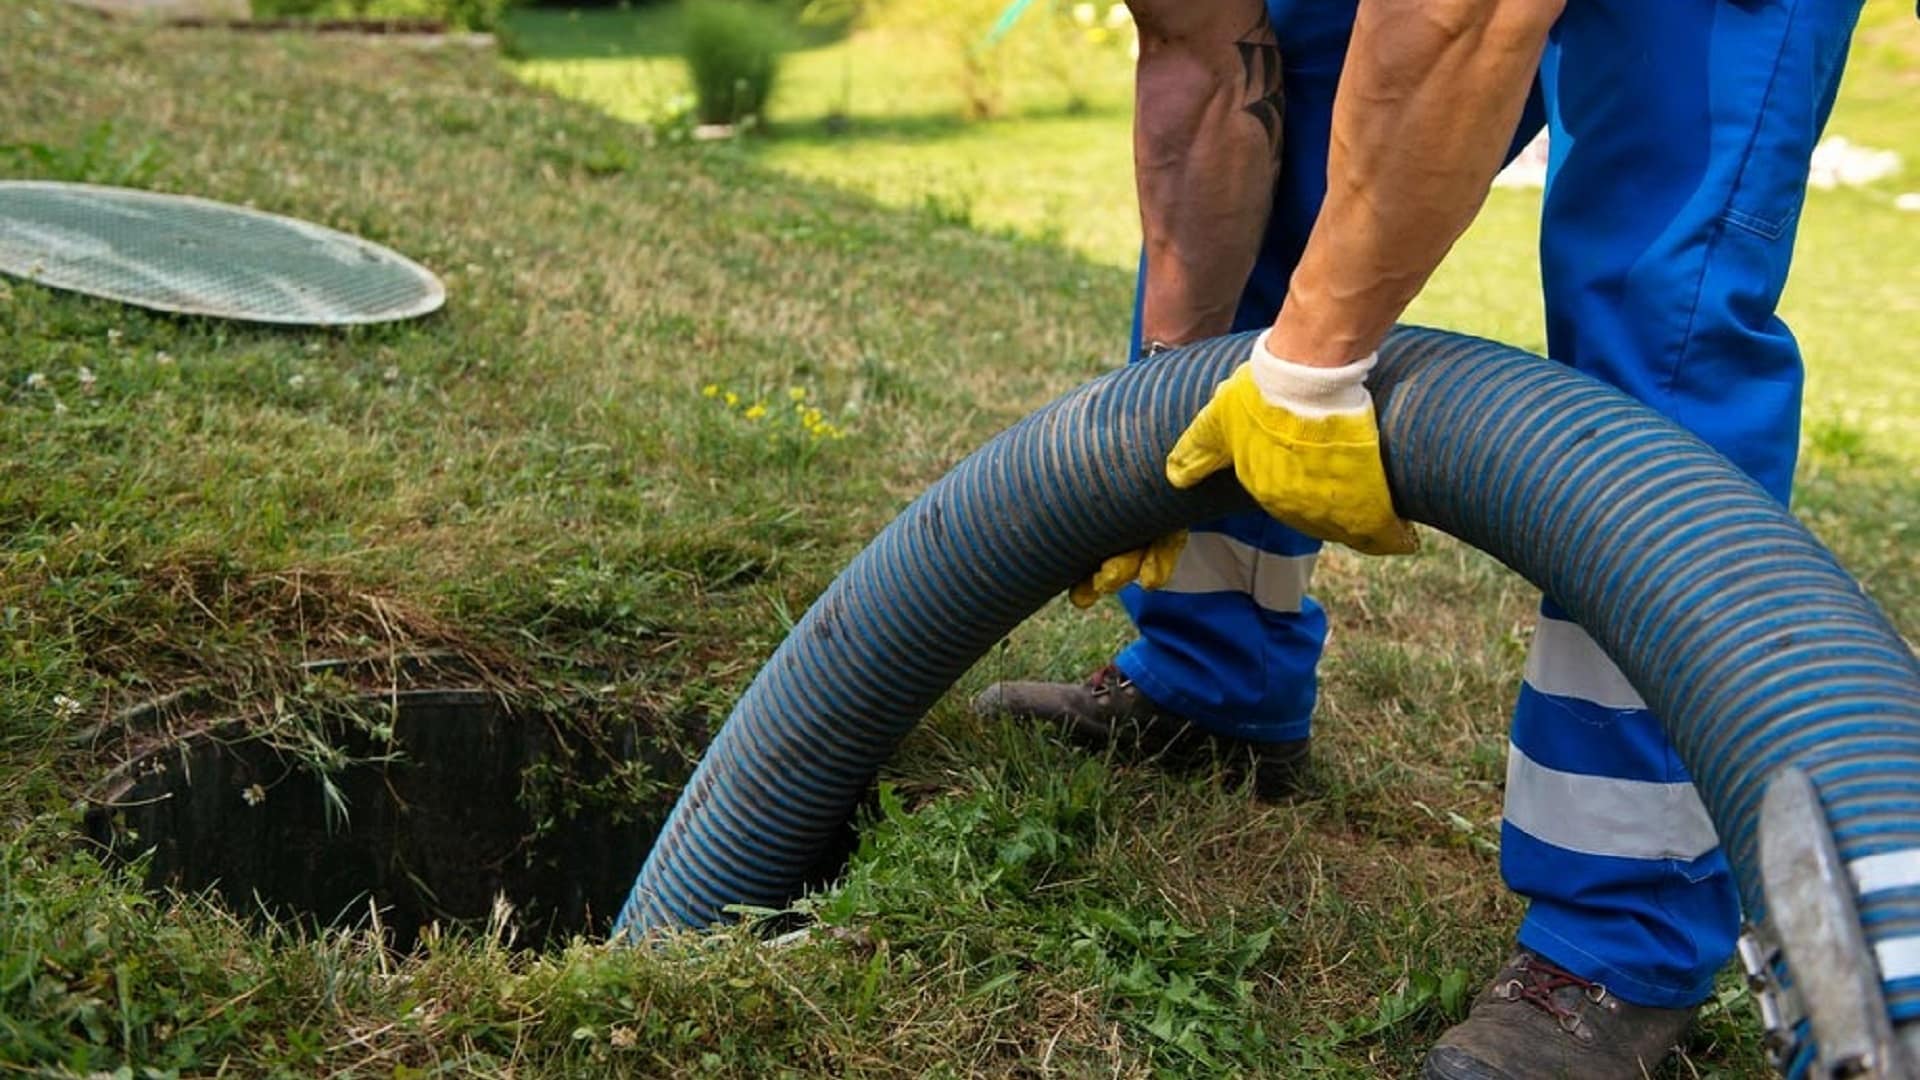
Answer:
(448, 799)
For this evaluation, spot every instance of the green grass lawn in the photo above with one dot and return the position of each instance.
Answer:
(534, 479)
(908, 144)
(1064, 175)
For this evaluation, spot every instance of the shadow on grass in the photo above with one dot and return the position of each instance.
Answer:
(849, 130)
(621, 31)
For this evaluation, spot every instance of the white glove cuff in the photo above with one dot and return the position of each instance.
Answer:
(1310, 392)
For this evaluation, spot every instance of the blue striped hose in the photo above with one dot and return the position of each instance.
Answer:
(1735, 625)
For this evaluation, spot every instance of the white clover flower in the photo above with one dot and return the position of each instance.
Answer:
(163, 358)
(113, 337)
(254, 795)
(391, 375)
(37, 381)
(87, 379)
(295, 382)
(65, 708)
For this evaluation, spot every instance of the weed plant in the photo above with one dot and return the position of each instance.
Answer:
(100, 156)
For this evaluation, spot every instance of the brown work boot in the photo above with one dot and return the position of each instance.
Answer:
(1109, 712)
(1536, 1021)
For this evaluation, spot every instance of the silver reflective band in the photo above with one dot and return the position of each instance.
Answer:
(1565, 662)
(1899, 958)
(1215, 562)
(1599, 815)
(1887, 870)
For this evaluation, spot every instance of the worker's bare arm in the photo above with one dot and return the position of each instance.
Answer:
(1207, 131)
(1428, 102)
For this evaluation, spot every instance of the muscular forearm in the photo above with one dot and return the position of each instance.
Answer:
(1206, 140)
(1428, 102)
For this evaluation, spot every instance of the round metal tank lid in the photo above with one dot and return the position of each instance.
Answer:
(198, 257)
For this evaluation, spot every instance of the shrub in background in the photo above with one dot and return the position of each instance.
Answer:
(733, 50)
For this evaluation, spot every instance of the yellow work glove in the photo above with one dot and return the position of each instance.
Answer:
(1305, 445)
(1152, 565)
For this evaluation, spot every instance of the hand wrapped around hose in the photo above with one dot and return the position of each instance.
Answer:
(1303, 441)
(1152, 566)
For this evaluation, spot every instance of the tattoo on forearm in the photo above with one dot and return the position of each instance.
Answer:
(1260, 63)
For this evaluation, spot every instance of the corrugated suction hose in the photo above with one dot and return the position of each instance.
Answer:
(1738, 628)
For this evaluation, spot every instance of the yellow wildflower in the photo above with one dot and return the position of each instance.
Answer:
(755, 411)
(732, 399)
(710, 390)
(796, 393)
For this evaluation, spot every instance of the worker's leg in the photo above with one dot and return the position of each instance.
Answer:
(1231, 642)
(1223, 670)
(1681, 132)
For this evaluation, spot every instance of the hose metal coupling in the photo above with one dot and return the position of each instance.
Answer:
(1816, 981)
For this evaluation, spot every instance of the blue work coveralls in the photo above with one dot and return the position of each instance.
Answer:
(1680, 135)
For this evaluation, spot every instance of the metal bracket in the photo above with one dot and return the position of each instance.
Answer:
(1780, 1009)
(1813, 934)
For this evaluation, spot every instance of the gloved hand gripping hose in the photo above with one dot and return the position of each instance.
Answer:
(1740, 631)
